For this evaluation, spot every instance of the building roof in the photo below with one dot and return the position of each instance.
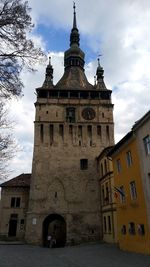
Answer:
(104, 152)
(120, 143)
(130, 134)
(141, 121)
(22, 180)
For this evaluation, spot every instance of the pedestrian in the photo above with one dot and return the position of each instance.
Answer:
(49, 240)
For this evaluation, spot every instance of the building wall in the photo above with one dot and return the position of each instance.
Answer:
(141, 133)
(7, 210)
(108, 205)
(130, 210)
(58, 185)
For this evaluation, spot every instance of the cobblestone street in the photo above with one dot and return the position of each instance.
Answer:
(93, 255)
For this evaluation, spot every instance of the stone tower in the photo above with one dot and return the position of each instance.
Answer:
(73, 124)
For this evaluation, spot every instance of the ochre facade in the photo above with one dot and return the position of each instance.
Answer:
(132, 217)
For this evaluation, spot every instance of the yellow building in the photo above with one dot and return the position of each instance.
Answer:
(108, 205)
(132, 220)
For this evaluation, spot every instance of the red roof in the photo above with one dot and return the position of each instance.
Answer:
(22, 180)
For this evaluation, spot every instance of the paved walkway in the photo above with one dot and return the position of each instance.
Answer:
(93, 255)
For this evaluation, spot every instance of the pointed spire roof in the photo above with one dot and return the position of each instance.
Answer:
(100, 76)
(74, 76)
(48, 83)
(74, 56)
(74, 36)
(74, 17)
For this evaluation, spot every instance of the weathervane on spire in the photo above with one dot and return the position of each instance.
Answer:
(98, 59)
(74, 17)
(74, 6)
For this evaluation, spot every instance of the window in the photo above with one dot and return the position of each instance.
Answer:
(129, 158)
(122, 194)
(70, 114)
(118, 164)
(123, 229)
(99, 132)
(131, 228)
(101, 169)
(141, 229)
(107, 194)
(109, 224)
(61, 130)
(133, 190)
(105, 164)
(89, 129)
(146, 141)
(15, 202)
(41, 132)
(83, 164)
(103, 195)
(107, 131)
(80, 131)
(51, 133)
(105, 225)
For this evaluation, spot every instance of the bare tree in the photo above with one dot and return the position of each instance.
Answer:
(16, 49)
(8, 146)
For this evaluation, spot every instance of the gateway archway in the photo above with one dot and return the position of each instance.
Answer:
(54, 225)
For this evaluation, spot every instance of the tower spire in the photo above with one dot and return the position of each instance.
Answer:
(74, 56)
(74, 16)
(74, 36)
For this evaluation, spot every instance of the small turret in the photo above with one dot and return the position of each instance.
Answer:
(100, 77)
(48, 83)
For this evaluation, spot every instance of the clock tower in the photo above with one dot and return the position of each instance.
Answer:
(73, 124)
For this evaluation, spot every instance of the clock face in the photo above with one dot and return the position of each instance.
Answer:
(88, 113)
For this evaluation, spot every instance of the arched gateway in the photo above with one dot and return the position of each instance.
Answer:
(54, 225)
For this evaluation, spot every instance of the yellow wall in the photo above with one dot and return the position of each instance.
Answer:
(131, 210)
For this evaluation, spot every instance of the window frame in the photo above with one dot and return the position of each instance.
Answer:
(118, 165)
(109, 224)
(133, 191)
(122, 196)
(141, 229)
(132, 228)
(15, 202)
(129, 158)
(146, 141)
(83, 164)
(123, 229)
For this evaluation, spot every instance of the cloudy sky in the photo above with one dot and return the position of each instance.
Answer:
(117, 29)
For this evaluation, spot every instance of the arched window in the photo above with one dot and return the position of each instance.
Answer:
(101, 169)
(41, 132)
(107, 132)
(105, 165)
